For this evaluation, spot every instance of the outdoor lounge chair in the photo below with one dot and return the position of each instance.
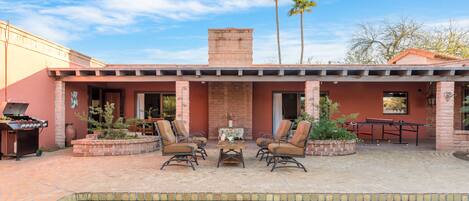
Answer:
(280, 135)
(183, 136)
(284, 153)
(180, 152)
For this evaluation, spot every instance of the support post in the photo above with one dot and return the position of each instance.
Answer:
(444, 115)
(312, 96)
(182, 102)
(59, 110)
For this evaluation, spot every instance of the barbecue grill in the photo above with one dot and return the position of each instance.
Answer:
(19, 133)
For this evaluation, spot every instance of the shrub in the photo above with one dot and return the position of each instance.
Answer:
(112, 129)
(326, 127)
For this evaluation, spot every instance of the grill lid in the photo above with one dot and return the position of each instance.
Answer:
(13, 108)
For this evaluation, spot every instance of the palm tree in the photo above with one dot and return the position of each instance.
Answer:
(300, 7)
(278, 33)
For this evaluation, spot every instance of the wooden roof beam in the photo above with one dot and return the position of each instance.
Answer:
(281, 72)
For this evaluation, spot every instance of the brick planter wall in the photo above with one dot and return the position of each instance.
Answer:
(94, 147)
(267, 196)
(331, 147)
(461, 140)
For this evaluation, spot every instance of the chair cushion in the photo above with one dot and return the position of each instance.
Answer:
(301, 134)
(180, 148)
(263, 142)
(180, 128)
(164, 127)
(282, 130)
(286, 149)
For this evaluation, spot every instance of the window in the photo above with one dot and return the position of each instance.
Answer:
(465, 115)
(156, 105)
(395, 103)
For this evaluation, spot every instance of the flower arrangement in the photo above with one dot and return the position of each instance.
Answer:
(230, 118)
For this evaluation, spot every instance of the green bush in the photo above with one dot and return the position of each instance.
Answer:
(327, 128)
(111, 129)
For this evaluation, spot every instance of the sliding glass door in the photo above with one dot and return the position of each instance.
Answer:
(288, 105)
(156, 105)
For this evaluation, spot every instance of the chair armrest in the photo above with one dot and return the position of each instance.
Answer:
(266, 135)
(197, 134)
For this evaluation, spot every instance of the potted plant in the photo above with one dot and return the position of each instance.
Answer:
(39, 152)
(150, 112)
(328, 137)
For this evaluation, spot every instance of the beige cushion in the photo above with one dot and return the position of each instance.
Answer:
(282, 130)
(180, 148)
(166, 132)
(263, 142)
(286, 149)
(301, 134)
(180, 128)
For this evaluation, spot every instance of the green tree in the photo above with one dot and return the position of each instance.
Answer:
(299, 8)
(278, 33)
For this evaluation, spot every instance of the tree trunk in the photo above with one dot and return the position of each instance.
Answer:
(302, 39)
(278, 33)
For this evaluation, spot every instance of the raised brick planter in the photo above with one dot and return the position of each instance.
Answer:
(99, 147)
(331, 147)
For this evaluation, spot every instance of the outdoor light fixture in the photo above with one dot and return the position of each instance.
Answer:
(431, 100)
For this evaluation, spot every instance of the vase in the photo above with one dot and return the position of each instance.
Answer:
(222, 137)
(230, 123)
(70, 134)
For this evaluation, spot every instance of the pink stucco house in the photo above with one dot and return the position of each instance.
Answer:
(431, 87)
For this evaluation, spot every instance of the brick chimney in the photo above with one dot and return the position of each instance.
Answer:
(230, 47)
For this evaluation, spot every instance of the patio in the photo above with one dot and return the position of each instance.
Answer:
(386, 168)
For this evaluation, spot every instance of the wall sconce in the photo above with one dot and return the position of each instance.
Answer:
(431, 100)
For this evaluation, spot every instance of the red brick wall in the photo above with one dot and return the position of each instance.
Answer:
(229, 97)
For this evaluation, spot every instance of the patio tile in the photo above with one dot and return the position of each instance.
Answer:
(375, 169)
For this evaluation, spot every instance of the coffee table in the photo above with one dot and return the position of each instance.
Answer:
(231, 152)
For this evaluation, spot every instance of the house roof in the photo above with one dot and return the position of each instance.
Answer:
(270, 73)
(423, 53)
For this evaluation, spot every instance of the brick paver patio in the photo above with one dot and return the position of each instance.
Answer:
(379, 169)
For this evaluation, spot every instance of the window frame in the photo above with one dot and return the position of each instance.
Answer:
(407, 103)
(161, 93)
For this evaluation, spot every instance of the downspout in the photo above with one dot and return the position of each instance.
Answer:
(7, 36)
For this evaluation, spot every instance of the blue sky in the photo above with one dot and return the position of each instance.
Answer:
(175, 31)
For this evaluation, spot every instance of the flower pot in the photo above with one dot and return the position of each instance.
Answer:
(70, 134)
(230, 123)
